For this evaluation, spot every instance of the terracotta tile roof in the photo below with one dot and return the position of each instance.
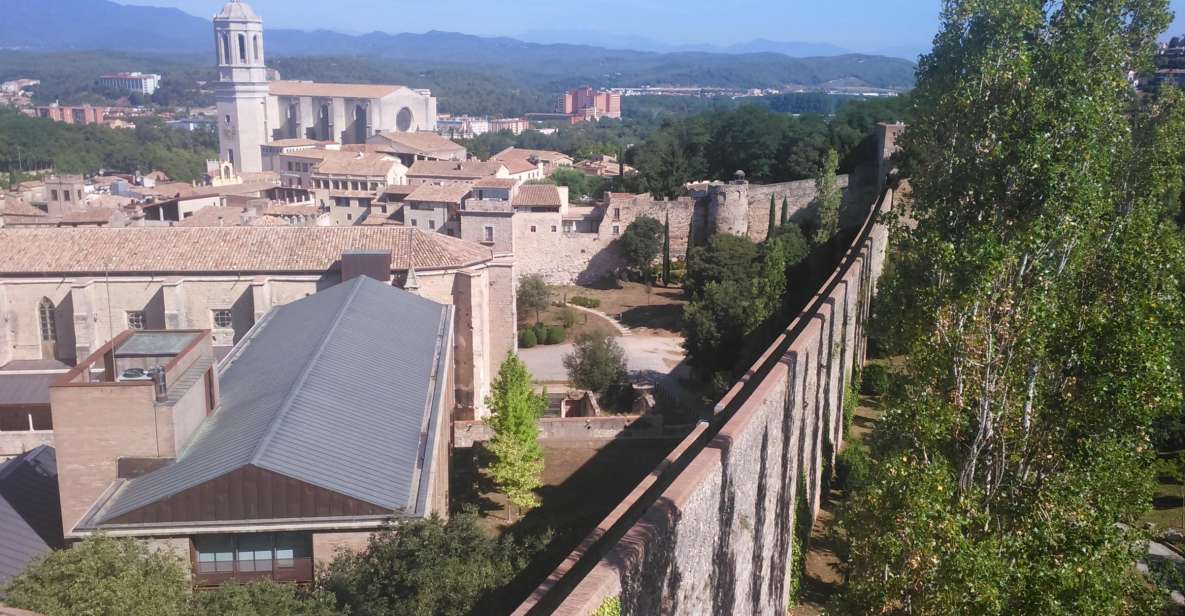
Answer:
(547, 156)
(419, 142)
(538, 195)
(214, 216)
(168, 190)
(470, 169)
(331, 90)
(310, 154)
(266, 221)
(434, 193)
(95, 215)
(399, 190)
(519, 165)
(293, 143)
(496, 183)
(223, 249)
(357, 164)
(17, 207)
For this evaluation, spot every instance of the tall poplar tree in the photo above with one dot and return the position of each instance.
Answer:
(517, 467)
(829, 196)
(1039, 295)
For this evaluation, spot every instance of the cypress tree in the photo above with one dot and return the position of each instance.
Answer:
(785, 211)
(773, 206)
(666, 250)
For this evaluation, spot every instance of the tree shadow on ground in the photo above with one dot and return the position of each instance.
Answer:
(467, 484)
(667, 317)
(573, 507)
(1167, 502)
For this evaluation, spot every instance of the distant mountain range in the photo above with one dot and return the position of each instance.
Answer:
(101, 24)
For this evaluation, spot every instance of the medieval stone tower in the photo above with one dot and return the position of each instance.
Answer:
(728, 206)
(242, 89)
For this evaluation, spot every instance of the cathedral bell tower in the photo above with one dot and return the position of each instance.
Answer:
(242, 89)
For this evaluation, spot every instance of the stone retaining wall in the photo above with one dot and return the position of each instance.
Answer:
(466, 433)
(711, 530)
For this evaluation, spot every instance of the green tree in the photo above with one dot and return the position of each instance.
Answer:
(829, 197)
(785, 211)
(517, 465)
(426, 567)
(666, 250)
(641, 243)
(596, 363)
(102, 576)
(725, 258)
(773, 211)
(262, 599)
(533, 295)
(1039, 296)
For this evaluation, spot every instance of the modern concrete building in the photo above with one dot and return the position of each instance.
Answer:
(253, 111)
(137, 82)
(321, 426)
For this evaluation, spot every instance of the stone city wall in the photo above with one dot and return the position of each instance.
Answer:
(466, 433)
(710, 531)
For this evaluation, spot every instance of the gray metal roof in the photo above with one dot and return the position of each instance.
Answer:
(30, 520)
(336, 390)
(26, 389)
(155, 344)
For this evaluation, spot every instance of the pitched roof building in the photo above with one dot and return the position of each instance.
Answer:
(29, 513)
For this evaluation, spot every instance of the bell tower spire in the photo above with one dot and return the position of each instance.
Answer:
(242, 90)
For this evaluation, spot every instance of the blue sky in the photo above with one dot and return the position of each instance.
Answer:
(859, 25)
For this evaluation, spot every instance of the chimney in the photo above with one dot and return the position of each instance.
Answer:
(373, 263)
(158, 382)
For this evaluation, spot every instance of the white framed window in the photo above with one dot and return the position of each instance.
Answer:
(136, 319)
(223, 318)
(616, 229)
(533, 229)
(49, 328)
(489, 234)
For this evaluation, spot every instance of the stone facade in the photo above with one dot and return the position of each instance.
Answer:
(582, 251)
(719, 538)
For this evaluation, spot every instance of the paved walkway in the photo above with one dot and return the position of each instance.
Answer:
(646, 357)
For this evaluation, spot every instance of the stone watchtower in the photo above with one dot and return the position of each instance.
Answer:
(242, 89)
(728, 206)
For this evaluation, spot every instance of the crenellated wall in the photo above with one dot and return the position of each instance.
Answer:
(710, 531)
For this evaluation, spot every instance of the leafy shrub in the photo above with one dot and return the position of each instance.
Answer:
(567, 317)
(527, 339)
(556, 334)
(610, 607)
(875, 381)
(597, 363)
(850, 401)
(540, 331)
(585, 302)
(853, 467)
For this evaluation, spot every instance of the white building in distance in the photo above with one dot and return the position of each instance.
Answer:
(254, 111)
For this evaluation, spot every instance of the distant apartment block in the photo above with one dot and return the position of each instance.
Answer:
(588, 104)
(514, 125)
(73, 115)
(140, 83)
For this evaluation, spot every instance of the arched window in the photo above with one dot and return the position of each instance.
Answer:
(243, 48)
(257, 60)
(45, 318)
(226, 49)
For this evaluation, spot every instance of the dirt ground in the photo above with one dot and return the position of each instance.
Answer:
(658, 312)
(585, 322)
(582, 482)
